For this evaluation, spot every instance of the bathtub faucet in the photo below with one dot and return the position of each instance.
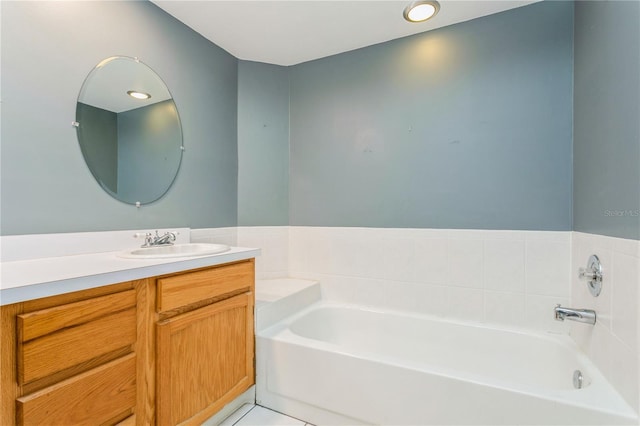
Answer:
(580, 315)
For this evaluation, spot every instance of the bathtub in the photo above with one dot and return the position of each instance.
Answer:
(341, 364)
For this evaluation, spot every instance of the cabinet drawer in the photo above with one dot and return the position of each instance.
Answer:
(59, 338)
(181, 290)
(104, 395)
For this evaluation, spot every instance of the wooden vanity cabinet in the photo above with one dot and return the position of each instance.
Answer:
(205, 342)
(165, 350)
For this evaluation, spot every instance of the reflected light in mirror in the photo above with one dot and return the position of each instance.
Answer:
(138, 95)
(420, 11)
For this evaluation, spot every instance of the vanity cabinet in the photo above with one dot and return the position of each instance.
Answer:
(205, 342)
(163, 350)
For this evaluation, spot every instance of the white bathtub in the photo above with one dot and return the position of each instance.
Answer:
(337, 364)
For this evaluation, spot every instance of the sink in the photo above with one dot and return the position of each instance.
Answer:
(176, 250)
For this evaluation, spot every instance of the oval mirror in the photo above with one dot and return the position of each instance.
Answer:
(129, 130)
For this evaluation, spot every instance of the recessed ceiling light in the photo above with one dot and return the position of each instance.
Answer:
(138, 95)
(420, 11)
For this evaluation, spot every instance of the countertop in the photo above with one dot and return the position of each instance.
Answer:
(35, 278)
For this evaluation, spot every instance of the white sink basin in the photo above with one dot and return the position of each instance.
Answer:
(176, 250)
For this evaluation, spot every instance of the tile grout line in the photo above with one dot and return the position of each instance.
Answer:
(242, 417)
(270, 409)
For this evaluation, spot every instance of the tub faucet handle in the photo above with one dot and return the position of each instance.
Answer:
(589, 274)
(593, 275)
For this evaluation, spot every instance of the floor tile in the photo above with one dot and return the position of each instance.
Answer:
(260, 416)
(237, 415)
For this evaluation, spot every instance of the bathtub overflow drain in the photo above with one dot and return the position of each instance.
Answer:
(577, 379)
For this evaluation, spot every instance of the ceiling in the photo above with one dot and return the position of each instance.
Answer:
(294, 31)
(107, 85)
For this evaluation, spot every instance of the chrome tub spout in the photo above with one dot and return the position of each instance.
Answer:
(587, 316)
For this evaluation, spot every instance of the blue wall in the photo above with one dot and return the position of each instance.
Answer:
(263, 144)
(468, 126)
(607, 118)
(102, 152)
(148, 151)
(48, 48)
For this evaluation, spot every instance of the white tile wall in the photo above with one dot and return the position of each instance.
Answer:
(505, 308)
(227, 236)
(507, 277)
(274, 242)
(547, 264)
(613, 343)
(504, 263)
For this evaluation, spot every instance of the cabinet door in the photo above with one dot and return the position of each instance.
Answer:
(204, 360)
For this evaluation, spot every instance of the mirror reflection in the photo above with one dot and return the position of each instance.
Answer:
(129, 130)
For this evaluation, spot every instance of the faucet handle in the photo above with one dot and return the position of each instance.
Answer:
(593, 275)
(589, 274)
(148, 238)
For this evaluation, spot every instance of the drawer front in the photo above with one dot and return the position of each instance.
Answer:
(184, 289)
(67, 336)
(104, 395)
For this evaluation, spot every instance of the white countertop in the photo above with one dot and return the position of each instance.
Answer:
(35, 278)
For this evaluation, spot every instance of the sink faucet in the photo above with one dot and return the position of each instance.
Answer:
(587, 316)
(166, 239)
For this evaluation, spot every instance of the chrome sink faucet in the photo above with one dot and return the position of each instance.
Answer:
(587, 316)
(166, 239)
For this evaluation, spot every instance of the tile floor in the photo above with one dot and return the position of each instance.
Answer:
(255, 415)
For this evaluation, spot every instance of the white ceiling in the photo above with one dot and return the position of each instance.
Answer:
(107, 85)
(293, 31)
